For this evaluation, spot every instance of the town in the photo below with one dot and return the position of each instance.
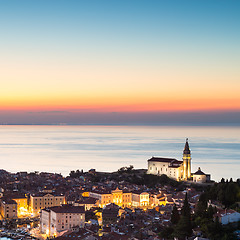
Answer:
(126, 204)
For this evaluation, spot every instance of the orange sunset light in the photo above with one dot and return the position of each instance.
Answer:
(121, 105)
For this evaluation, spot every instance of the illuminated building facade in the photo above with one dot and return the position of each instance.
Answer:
(201, 177)
(173, 168)
(104, 197)
(8, 208)
(22, 205)
(121, 198)
(140, 199)
(55, 220)
(45, 200)
(87, 203)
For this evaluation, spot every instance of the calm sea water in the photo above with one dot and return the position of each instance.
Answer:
(107, 148)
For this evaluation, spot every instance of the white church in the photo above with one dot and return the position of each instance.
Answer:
(176, 169)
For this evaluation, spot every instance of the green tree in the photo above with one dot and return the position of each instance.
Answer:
(184, 226)
(175, 215)
(186, 211)
(166, 233)
(210, 212)
(182, 229)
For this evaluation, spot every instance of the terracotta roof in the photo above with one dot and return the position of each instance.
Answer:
(81, 234)
(98, 191)
(87, 200)
(199, 172)
(42, 194)
(223, 212)
(67, 209)
(15, 196)
(7, 201)
(161, 159)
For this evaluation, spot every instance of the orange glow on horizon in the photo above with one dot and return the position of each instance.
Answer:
(108, 105)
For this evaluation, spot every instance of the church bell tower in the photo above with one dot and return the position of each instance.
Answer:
(186, 161)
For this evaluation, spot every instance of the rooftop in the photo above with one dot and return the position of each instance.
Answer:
(67, 209)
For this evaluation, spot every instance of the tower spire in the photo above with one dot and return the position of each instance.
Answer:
(186, 161)
(186, 148)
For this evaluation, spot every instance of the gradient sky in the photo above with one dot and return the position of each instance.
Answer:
(91, 58)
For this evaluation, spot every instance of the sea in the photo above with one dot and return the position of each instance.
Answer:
(61, 149)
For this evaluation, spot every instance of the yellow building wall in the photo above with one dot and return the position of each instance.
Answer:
(22, 206)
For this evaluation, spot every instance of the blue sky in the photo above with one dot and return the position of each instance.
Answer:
(140, 56)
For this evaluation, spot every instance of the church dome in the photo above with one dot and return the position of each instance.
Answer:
(199, 172)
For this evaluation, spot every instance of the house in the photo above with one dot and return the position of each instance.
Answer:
(45, 200)
(82, 234)
(110, 214)
(227, 216)
(22, 204)
(87, 203)
(104, 197)
(59, 219)
(140, 199)
(8, 208)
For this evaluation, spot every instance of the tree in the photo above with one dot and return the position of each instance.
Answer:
(186, 208)
(200, 209)
(182, 229)
(166, 233)
(184, 226)
(175, 215)
(210, 212)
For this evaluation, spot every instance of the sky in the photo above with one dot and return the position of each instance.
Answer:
(120, 62)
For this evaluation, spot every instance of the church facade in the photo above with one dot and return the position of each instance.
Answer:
(173, 168)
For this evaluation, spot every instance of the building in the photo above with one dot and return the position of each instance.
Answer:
(200, 177)
(110, 214)
(59, 219)
(104, 197)
(8, 208)
(173, 168)
(22, 205)
(81, 234)
(176, 169)
(140, 199)
(87, 203)
(121, 198)
(45, 200)
(227, 216)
